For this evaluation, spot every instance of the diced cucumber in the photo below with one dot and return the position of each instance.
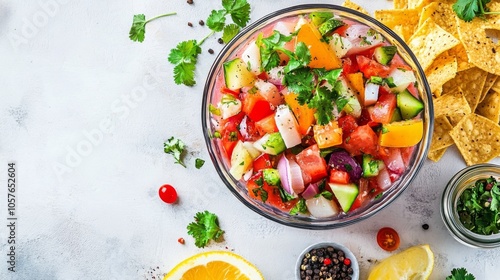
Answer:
(271, 176)
(271, 144)
(345, 194)
(237, 75)
(396, 115)
(318, 18)
(384, 54)
(329, 26)
(408, 105)
(370, 166)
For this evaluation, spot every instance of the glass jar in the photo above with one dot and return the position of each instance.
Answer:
(463, 180)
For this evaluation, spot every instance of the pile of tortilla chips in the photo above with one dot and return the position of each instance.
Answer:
(461, 61)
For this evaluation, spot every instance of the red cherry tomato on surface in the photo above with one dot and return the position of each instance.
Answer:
(168, 194)
(388, 239)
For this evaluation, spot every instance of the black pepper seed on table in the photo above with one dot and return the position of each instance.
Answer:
(325, 263)
(201, 22)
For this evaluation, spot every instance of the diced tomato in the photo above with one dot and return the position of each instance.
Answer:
(311, 163)
(266, 125)
(348, 125)
(259, 189)
(363, 140)
(263, 76)
(256, 107)
(370, 67)
(366, 118)
(230, 133)
(339, 176)
(262, 162)
(413, 90)
(398, 62)
(249, 130)
(349, 65)
(363, 194)
(341, 30)
(383, 109)
(406, 154)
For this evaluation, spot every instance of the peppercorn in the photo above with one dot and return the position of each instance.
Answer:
(425, 226)
(190, 24)
(325, 264)
(190, 2)
(201, 22)
(210, 51)
(220, 41)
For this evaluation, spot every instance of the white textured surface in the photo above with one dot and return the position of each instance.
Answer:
(78, 74)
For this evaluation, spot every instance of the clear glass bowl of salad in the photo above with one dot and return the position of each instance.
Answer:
(317, 116)
(470, 206)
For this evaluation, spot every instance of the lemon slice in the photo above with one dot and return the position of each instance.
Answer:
(414, 263)
(214, 265)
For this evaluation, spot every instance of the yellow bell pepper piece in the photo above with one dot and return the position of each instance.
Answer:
(401, 134)
(328, 135)
(322, 56)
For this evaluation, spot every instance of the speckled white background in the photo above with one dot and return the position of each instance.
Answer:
(90, 210)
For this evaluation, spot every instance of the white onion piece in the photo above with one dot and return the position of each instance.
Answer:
(311, 190)
(243, 127)
(296, 177)
(383, 178)
(270, 92)
(287, 126)
(254, 153)
(402, 79)
(251, 57)
(321, 207)
(248, 174)
(371, 94)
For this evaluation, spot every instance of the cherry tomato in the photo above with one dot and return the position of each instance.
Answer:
(168, 194)
(388, 239)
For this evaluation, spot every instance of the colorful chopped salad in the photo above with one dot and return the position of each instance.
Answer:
(317, 114)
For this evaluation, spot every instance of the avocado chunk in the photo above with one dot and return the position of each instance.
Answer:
(409, 106)
(272, 144)
(370, 166)
(345, 194)
(384, 54)
(271, 176)
(318, 18)
(329, 26)
(237, 75)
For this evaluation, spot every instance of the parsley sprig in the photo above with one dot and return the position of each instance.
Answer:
(138, 29)
(185, 55)
(460, 274)
(469, 9)
(205, 228)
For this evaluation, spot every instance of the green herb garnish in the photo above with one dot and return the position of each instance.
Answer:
(299, 207)
(460, 274)
(175, 147)
(469, 9)
(198, 163)
(479, 207)
(204, 228)
(138, 29)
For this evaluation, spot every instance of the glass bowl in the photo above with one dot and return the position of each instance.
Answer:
(238, 187)
(455, 187)
(336, 247)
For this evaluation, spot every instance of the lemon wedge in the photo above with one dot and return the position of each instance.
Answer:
(415, 263)
(214, 265)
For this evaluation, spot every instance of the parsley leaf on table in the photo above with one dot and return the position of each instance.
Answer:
(460, 274)
(204, 228)
(185, 60)
(469, 9)
(175, 147)
(138, 29)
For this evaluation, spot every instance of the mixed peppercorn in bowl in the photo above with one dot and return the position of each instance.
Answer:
(317, 116)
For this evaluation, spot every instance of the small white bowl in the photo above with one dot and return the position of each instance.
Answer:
(336, 246)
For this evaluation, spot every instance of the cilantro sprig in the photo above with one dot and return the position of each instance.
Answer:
(460, 274)
(467, 10)
(185, 55)
(138, 30)
(205, 228)
(175, 147)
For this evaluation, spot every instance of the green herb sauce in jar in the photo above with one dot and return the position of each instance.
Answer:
(479, 207)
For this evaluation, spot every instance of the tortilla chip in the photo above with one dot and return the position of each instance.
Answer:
(442, 14)
(490, 81)
(496, 86)
(441, 137)
(443, 69)
(438, 92)
(490, 107)
(400, 4)
(436, 155)
(451, 104)
(417, 4)
(455, 119)
(471, 82)
(462, 59)
(429, 41)
(351, 5)
(477, 138)
(407, 19)
(481, 50)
